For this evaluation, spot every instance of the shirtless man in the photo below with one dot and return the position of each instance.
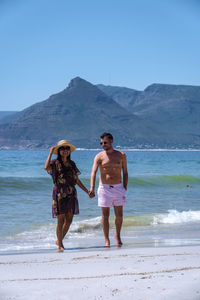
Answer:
(111, 192)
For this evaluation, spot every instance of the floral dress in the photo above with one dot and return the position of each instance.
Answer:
(64, 191)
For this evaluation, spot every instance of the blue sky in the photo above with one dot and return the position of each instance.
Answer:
(132, 43)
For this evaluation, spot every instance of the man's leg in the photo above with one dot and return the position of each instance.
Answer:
(118, 223)
(105, 224)
(59, 232)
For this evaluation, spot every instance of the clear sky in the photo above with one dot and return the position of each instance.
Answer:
(132, 43)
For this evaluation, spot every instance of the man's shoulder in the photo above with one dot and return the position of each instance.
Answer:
(99, 155)
(120, 153)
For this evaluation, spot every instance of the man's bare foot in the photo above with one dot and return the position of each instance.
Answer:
(107, 243)
(61, 244)
(118, 239)
(60, 249)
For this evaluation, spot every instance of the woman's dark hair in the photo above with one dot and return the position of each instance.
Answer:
(59, 158)
(108, 135)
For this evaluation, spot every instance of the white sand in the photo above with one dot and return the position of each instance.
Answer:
(136, 274)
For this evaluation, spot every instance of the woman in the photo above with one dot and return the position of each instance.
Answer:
(65, 176)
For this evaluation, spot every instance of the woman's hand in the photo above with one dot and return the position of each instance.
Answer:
(47, 163)
(52, 149)
(91, 194)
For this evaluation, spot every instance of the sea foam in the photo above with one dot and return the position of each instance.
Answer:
(176, 217)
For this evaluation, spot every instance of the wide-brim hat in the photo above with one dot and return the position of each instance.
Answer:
(64, 143)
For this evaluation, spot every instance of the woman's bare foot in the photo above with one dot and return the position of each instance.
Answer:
(118, 239)
(61, 244)
(60, 249)
(107, 243)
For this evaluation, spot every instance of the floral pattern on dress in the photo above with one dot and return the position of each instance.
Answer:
(64, 192)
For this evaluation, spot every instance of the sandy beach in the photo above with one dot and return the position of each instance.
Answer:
(115, 273)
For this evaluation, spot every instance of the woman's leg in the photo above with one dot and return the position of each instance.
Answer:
(59, 232)
(67, 223)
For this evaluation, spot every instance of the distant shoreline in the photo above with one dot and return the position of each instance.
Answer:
(99, 149)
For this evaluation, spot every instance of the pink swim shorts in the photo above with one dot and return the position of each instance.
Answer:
(111, 195)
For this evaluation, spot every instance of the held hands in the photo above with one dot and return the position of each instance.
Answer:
(91, 194)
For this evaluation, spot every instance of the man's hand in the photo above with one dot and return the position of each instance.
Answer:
(91, 194)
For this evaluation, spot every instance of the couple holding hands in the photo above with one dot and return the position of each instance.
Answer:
(111, 190)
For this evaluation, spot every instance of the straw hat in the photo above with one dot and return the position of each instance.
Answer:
(64, 143)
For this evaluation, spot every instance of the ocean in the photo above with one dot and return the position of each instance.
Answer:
(163, 202)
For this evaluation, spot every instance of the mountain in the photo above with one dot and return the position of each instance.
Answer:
(174, 109)
(122, 95)
(80, 113)
(161, 116)
(7, 116)
(6, 113)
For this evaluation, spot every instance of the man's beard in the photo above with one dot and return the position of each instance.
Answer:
(107, 148)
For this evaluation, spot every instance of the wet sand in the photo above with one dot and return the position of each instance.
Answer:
(118, 273)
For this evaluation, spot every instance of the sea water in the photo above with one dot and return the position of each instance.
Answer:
(163, 201)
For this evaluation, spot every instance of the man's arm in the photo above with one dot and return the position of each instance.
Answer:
(93, 173)
(125, 171)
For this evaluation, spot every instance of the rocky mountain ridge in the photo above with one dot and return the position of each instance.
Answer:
(161, 116)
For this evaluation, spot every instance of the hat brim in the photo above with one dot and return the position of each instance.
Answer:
(72, 148)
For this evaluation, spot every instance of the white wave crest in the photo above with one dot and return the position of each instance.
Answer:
(43, 236)
(84, 225)
(176, 217)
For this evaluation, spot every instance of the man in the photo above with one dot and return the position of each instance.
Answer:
(111, 192)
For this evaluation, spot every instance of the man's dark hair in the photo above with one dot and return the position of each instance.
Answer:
(108, 135)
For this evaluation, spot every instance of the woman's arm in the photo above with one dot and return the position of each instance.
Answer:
(81, 185)
(47, 166)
